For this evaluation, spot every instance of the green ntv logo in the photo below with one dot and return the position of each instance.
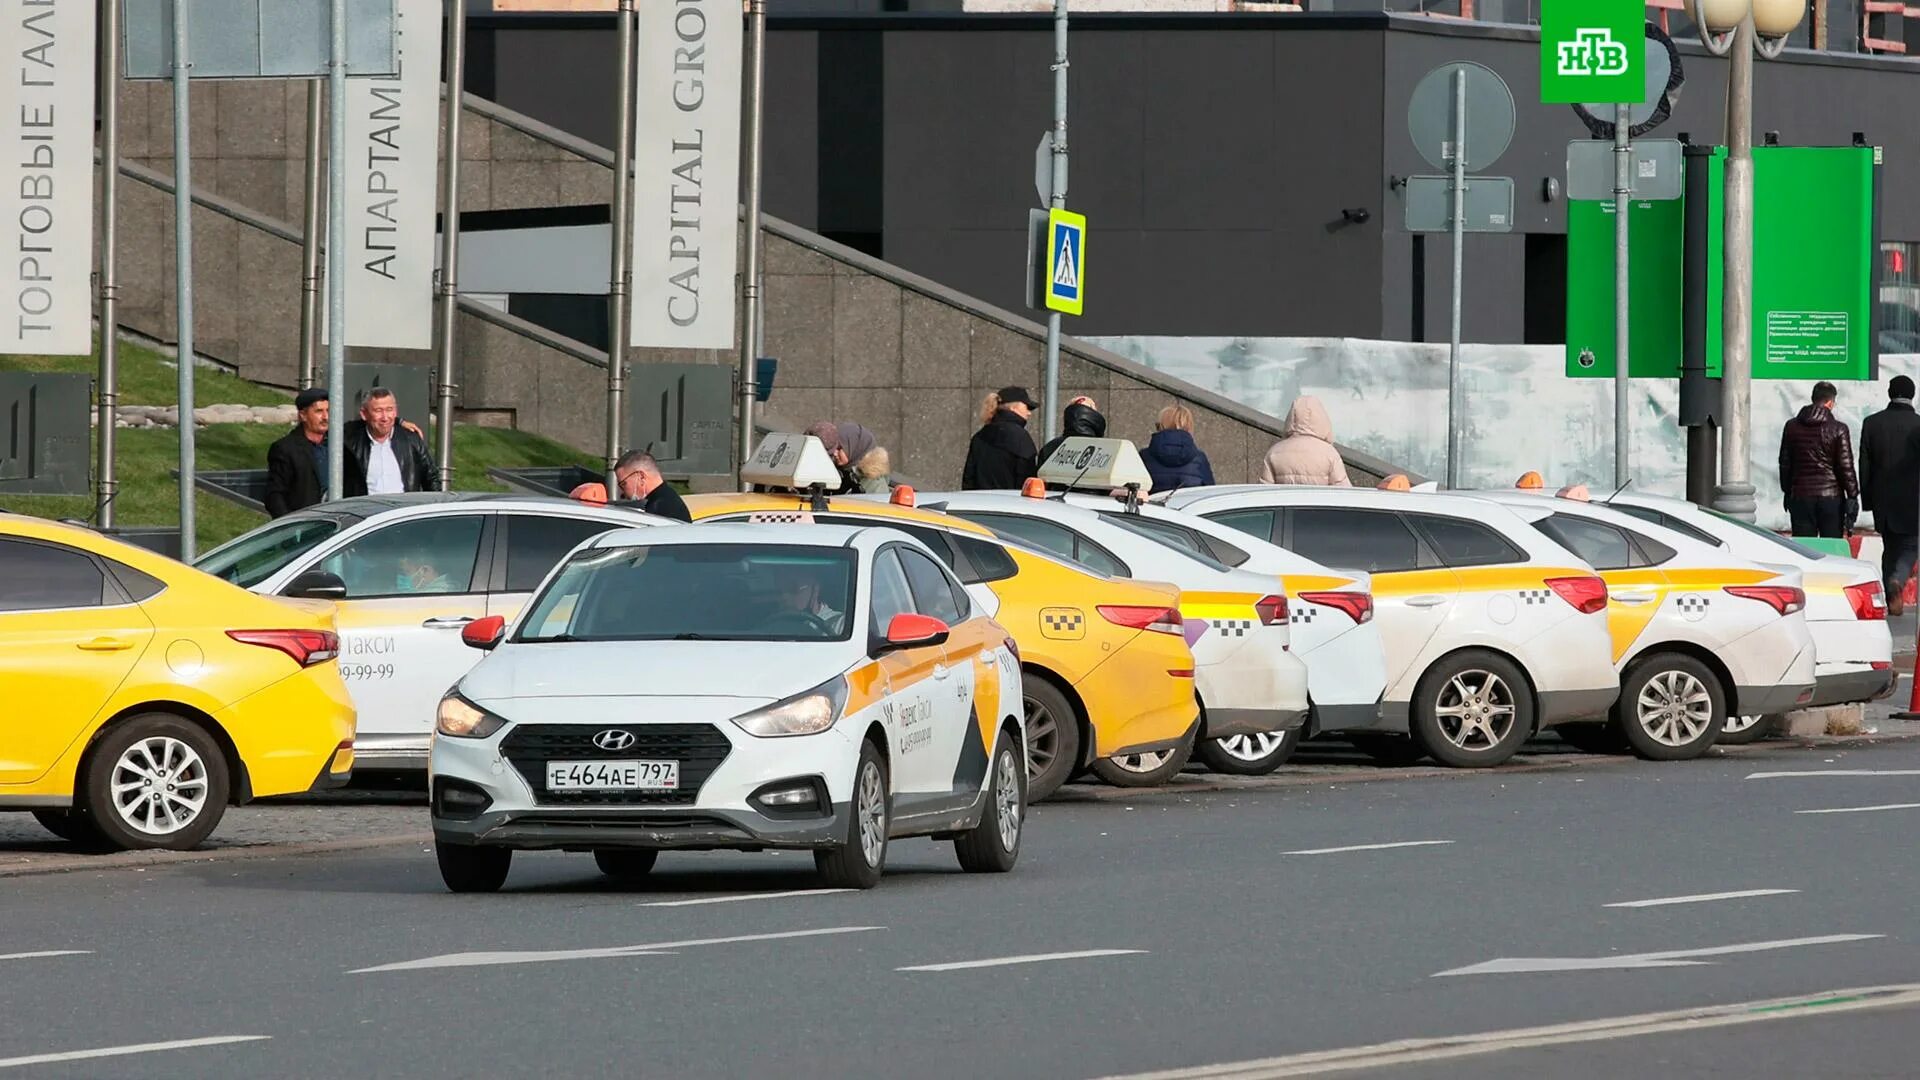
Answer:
(1592, 51)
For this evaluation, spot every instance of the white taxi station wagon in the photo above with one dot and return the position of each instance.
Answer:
(734, 687)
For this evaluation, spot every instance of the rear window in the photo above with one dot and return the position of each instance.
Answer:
(1668, 521)
(1255, 523)
(1371, 540)
(1769, 535)
(1460, 542)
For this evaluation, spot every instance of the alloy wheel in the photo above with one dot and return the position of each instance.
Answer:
(1674, 708)
(1476, 710)
(159, 785)
(1737, 724)
(1006, 784)
(1255, 747)
(1043, 738)
(872, 809)
(1142, 763)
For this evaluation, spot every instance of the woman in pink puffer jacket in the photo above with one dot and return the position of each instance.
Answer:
(1306, 455)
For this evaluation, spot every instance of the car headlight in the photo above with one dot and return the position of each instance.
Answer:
(809, 713)
(462, 719)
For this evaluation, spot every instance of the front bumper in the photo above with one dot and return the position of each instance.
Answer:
(590, 828)
(1849, 687)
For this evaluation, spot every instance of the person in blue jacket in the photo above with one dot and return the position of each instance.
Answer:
(1172, 458)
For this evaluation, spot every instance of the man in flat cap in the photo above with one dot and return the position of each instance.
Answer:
(297, 462)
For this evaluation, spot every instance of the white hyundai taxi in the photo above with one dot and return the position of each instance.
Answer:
(1492, 631)
(740, 687)
(1698, 633)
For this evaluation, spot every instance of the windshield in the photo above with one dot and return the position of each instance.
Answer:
(698, 592)
(1781, 541)
(260, 554)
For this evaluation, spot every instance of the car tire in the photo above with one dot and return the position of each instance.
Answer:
(1249, 755)
(1145, 770)
(993, 846)
(1472, 710)
(1386, 749)
(73, 826)
(1053, 737)
(469, 869)
(626, 864)
(858, 862)
(1590, 738)
(1737, 731)
(1671, 707)
(173, 781)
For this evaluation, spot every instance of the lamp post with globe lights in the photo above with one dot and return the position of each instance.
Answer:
(1737, 29)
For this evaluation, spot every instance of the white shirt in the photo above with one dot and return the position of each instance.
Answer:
(383, 469)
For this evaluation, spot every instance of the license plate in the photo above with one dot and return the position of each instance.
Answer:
(613, 776)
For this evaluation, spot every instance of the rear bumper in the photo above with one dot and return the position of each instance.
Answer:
(1853, 686)
(1226, 723)
(1189, 735)
(1779, 698)
(397, 752)
(337, 771)
(1560, 706)
(685, 829)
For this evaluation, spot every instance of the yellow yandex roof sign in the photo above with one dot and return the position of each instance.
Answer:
(1099, 464)
(788, 460)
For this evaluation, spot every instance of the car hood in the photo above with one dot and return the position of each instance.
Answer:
(755, 671)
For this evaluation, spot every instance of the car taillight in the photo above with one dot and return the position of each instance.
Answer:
(1271, 609)
(1163, 620)
(1357, 605)
(1586, 594)
(1785, 599)
(1867, 600)
(307, 647)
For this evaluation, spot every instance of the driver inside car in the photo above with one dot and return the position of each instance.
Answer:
(798, 593)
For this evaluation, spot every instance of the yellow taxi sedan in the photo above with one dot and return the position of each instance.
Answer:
(144, 696)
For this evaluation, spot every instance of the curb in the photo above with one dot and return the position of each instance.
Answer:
(129, 860)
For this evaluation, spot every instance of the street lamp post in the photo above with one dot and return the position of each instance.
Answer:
(1737, 29)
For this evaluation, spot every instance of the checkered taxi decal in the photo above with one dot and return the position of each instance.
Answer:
(1300, 614)
(1531, 597)
(1693, 606)
(1234, 627)
(1063, 623)
(780, 517)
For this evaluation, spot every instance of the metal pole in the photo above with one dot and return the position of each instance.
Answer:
(108, 389)
(310, 238)
(618, 278)
(450, 232)
(1735, 493)
(756, 61)
(337, 248)
(183, 268)
(1057, 198)
(1458, 185)
(1622, 204)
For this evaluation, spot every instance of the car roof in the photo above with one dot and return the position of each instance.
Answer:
(1432, 502)
(757, 535)
(422, 503)
(1225, 534)
(715, 504)
(1537, 507)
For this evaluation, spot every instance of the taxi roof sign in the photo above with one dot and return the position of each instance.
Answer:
(1100, 464)
(790, 460)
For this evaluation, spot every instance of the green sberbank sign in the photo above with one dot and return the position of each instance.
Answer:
(1593, 51)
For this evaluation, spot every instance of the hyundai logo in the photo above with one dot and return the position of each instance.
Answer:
(613, 739)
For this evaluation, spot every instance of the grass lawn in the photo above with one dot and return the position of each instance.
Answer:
(148, 378)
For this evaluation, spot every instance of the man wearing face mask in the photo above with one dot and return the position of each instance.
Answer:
(638, 475)
(382, 455)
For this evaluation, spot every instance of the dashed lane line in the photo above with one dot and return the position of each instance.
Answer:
(45, 952)
(736, 897)
(1367, 847)
(1862, 809)
(541, 956)
(1797, 773)
(123, 1051)
(1702, 898)
(1030, 958)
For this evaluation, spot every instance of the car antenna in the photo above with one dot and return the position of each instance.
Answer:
(1608, 501)
(1061, 495)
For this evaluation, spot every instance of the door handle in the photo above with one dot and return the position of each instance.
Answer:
(447, 622)
(1631, 597)
(941, 671)
(106, 644)
(1429, 600)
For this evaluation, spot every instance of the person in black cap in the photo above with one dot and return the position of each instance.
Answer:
(297, 461)
(1002, 454)
(1890, 486)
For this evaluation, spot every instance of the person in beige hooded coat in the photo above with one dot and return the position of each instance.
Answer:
(1306, 454)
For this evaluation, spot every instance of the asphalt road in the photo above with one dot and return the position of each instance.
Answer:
(1218, 927)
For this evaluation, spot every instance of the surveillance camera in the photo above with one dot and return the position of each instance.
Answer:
(1357, 216)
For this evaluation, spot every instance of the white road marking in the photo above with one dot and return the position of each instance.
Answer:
(1367, 847)
(1412, 1051)
(1675, 958)
(540, 956)
(1703, 898)
(743, 896)
(122, 1051)
(1033, 958)
(45, 952)
(1863, 809)
(1831, 772)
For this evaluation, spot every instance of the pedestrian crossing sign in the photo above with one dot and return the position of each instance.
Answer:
(1066, 261)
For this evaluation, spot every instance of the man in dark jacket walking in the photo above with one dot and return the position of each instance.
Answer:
(1890, 485)
(1002, 454)
(1081, 419)
(297, 461)
(1816, 468)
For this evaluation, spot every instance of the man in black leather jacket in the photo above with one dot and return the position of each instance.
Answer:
(1816, 468)
(383, 456)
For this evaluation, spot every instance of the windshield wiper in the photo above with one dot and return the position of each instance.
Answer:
(545, 640)
(690, 637)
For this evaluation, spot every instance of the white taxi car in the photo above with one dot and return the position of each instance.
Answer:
(1697, 632)
(734, 686)
(1491, 630)
(1249, 681)
(410, 571)
(1846, 608)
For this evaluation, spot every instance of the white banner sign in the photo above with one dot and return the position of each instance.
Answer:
(393, 136)
(686, 184)
(46, 194)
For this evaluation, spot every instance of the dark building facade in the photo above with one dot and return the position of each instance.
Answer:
(1241, 173)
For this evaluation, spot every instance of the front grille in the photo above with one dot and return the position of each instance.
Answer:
(699, 748)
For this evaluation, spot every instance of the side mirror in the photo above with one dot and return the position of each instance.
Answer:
(913, 631)
(484, 634)
(317, 585)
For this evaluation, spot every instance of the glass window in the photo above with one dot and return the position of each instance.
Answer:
(426, 555)
(891, 594)
(1652, 552)
(1255, 523)
(1601, 546)
(990, 561)
(536, 542)
(1460, 542)
(138, 586)
(1773, 537)
(260, 554)
(1371, 540)
(1044, 535)
(933, 594)
(698, 592)
(935, 540)
(41, 577)
(1668, 521)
